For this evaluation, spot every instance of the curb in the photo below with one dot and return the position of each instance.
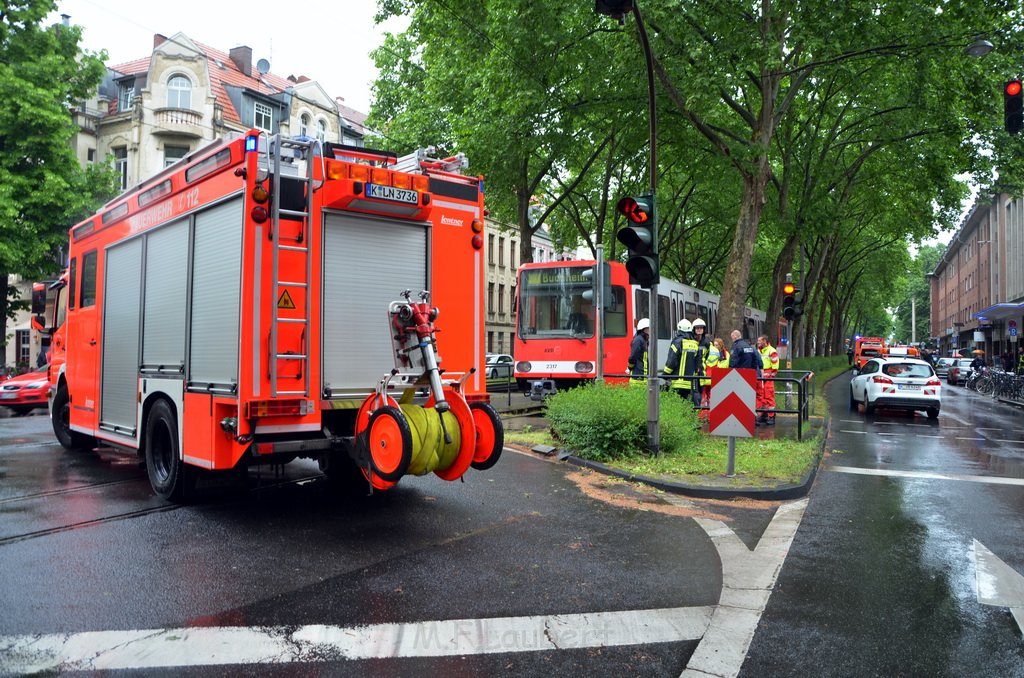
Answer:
(779, 493)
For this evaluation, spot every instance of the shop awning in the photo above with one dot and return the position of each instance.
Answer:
(1000, 312)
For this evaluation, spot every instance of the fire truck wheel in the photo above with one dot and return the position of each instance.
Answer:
(170, 477)
(389, 442)
(60, 417)
(490, 436)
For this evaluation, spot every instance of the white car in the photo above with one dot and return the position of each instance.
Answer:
(499, 365)
(897, 383)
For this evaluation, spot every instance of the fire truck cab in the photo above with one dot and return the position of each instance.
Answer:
(269, 298)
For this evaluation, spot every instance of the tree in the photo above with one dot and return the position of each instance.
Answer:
(43, 189)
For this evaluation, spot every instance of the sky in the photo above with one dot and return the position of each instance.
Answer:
(329, 42)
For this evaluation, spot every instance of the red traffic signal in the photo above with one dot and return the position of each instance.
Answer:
(1013, 106)
(789, 288)
(637, 210)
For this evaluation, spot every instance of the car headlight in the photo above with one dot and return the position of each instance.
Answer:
(37, 384)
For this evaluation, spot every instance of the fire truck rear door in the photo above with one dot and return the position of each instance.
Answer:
(368, 262)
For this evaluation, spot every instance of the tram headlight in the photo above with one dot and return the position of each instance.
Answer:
(523, 367)
(584, 367)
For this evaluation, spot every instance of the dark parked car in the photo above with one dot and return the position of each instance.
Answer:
(942, 366)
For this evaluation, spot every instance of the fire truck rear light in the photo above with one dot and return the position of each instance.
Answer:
(401, 180)
(263, 448)
(259, 214)
(278, 408)
(477, 226)
(380, 176)
(260, 195)
(421, 182)
(359, 172)
(478, 242)
(336, 170)
(523, 367)
(583, 367)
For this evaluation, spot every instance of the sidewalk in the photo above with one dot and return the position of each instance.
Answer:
(512, 410)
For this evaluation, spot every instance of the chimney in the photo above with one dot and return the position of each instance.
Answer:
(242, 56)
(158, 40)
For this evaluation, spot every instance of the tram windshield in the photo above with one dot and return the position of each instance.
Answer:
(553, 302)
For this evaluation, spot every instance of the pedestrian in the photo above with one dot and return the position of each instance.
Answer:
(1007, 360)
(978, 364)
(717, 356)
(743, 355)
(1020, 360)
(849, 354)
(637, 363)
(766, 387)
(684, 364)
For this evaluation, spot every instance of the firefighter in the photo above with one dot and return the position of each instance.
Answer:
(766, 388)
(716, 356)
(684, 363)
(637, 362)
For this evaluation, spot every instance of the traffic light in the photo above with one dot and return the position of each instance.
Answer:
(1013, 106)
(606, 287)
(616, 9)
(640, 235)
(789, 301)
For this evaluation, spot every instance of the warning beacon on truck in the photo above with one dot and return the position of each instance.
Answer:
(270, 298)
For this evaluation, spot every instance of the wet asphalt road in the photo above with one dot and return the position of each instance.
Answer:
(881, 577)
(85, 546)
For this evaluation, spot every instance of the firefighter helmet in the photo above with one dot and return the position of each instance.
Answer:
(684, 325)
(643, 324)
(699, 322)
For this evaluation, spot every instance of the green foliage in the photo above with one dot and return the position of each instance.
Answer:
(604, 422)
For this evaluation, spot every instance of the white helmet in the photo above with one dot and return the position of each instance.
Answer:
(684, 325)
(699, 322)
(643, 324)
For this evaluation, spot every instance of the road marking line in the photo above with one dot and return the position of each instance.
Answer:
(1016, 442)
(748, 578)
(843, 430)
(998, 584)
(926, 475)
(959, 438)
(889, 434)
(921, 435)
(213, 646)
(987, 428)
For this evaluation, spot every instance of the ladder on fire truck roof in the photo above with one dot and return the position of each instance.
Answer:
(302, 150)
(422, 159)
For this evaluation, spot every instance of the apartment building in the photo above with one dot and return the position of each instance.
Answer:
(977, 288)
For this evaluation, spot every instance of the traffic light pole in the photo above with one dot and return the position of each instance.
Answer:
(653, 381)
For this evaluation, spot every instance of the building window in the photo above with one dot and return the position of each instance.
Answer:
(490, 297)
(121, 165)
(24, 346)
(263, 116)
(490, 248)
(501, 299)
(490, 342)
(173, 154)
(321, 130)
(501, 252)
(125, 94)
(90, 155)
(179, 92)
(304, 125)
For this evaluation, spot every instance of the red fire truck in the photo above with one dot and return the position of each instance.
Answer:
(269, 298)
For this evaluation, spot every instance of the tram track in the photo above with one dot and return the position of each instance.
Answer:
(126, 515)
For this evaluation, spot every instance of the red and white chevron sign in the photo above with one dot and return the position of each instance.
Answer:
(733, 402)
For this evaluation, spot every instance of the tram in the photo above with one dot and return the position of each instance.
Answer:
(556, 340)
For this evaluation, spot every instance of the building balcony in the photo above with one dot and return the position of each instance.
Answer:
(177, 122)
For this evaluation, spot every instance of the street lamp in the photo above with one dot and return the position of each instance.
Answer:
(617, 9)
(980, 47)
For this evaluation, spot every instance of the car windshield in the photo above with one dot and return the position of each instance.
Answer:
(907, 370)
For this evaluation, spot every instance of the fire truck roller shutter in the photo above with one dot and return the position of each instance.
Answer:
(367, 263)
(163, 309)
(122, 298)
(216, 288)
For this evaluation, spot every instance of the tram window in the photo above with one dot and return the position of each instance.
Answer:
(691, 311)
(615, 315)
(702, 313)
(664, 317)
(641, 306)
